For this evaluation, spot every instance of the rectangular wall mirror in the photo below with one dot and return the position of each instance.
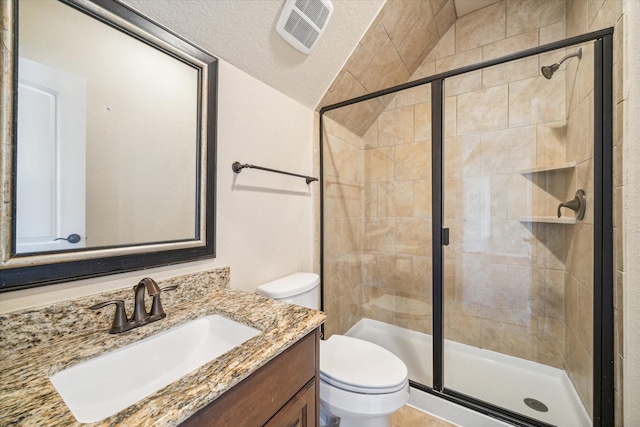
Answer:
(108, 147)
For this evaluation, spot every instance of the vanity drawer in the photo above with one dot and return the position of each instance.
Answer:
(257, 399)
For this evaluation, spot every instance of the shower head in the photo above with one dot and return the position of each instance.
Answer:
(548, 70)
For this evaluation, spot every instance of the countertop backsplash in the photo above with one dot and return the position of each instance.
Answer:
(40, 326)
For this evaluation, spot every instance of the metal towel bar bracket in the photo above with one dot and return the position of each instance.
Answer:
(237, 168)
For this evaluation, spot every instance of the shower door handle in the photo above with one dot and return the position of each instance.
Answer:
(445, 237)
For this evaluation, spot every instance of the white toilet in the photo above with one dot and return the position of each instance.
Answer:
(360, 382)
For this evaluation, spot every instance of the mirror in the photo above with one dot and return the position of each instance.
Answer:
(109, 144)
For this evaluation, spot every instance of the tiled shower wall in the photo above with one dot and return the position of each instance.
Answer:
(516, 25)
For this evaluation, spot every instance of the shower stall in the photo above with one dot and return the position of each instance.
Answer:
(466, 225)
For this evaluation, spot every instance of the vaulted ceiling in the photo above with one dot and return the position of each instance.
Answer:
(242, 33)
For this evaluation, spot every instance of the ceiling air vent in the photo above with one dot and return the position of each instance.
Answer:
(302, 22)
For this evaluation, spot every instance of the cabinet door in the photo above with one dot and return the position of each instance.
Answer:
(300, 411)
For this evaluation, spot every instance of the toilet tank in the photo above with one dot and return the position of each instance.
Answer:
(298, 288)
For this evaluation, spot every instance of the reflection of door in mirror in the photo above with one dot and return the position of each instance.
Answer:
(51, 159)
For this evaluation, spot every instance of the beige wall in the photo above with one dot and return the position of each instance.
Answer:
(264, 221)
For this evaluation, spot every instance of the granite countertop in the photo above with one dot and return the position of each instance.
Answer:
(29, 399)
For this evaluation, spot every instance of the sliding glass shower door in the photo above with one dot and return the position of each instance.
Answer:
(518, 281)
(377, 220)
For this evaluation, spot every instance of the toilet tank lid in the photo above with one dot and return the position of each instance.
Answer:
(288, 286)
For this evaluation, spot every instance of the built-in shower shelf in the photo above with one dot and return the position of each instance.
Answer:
(548, 219)
(553, 168)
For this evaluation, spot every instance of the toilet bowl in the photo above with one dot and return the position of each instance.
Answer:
(360, 382)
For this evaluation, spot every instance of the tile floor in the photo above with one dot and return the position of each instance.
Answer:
(410, 417)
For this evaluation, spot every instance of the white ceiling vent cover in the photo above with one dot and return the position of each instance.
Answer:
(302, 22)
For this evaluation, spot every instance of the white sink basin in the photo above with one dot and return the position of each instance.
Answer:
(101, 387)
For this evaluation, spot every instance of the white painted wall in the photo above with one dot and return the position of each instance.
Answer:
(631, 216)
(264, 221)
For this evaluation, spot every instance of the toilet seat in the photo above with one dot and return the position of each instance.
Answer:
(360, 366)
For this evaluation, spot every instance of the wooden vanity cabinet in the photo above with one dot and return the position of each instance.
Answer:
(283, 393)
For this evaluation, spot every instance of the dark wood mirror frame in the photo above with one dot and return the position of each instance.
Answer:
(31, 270)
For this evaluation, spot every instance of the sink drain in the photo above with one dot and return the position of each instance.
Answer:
(536, 405)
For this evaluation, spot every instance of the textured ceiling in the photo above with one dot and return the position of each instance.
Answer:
(242, 32)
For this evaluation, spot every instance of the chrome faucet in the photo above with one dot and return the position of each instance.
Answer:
(140, 317)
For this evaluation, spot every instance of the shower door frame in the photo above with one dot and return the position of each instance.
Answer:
(603, 274)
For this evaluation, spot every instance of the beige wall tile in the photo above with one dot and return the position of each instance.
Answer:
(550, 143)
(548, 295)
(385, 62)
(459, 60)
(366, 50)
(446, 17)
(342, 160)
(422, 37)
(577, 19)
(351, 308)
(508, 151)
(462, 327)
(399, 17)
(536, 100)
(552, 33)
(408, 97)
(527, 15)
(578, 147)
(413, 161)
(422, 198)
(425, 69)
(362, 115)
(550, 339)
(379, 164)
(422, 121)
(579, 262)
(437, 5)
(510, 45)
(378, 234)
(571, 304)
(395, 198)
(370, 138)
(413, 236)
(413, 311)
(450, 116)
(580, 371)
(483, 110)
(481, 27)
(585, 318)
(446, 46)
(469, 151)
(346, 87)
(520, 200)
(370, 203)
(379, 304)
(516, 340)
(607, 15)
(510, 72)
(396, 127)
(550, 246)
(468, 82)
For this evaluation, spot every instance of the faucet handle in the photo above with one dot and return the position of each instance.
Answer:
(120, 321)
(156, 305)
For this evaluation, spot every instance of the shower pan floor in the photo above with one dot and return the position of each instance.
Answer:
(497, 378)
